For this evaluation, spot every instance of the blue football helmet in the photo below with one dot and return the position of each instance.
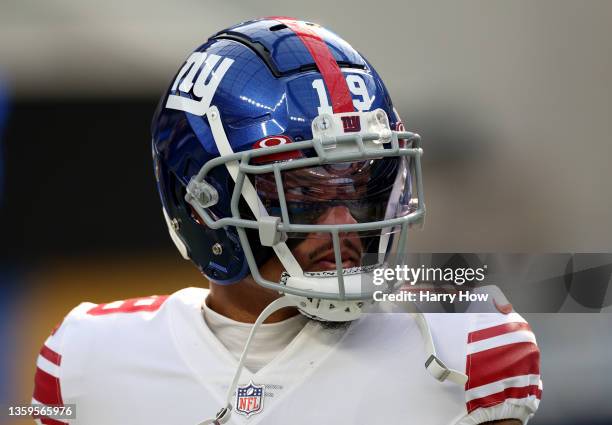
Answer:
(277, 141)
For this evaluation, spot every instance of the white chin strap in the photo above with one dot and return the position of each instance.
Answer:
(224, 414)
(434, 365)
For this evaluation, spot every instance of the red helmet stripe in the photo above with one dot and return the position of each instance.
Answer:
(328, 67)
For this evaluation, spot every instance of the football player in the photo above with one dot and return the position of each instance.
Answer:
(286, 177)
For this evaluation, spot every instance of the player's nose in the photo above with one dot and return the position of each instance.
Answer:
(338, 214)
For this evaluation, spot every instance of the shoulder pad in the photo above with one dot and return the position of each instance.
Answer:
(503, 367)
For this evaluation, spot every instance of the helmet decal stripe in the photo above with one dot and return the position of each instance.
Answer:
(328, 67)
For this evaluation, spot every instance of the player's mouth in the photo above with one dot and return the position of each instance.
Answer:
(327, 261)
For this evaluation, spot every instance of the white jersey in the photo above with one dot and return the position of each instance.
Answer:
(153, 361)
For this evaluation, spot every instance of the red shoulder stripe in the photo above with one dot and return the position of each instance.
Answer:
(129, 306)
(47, 388)
(500, 397)
(497, 330)
(51, 355)
(485, 367)
(328, 67)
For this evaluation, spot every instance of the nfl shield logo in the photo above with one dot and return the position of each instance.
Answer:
(249, 399)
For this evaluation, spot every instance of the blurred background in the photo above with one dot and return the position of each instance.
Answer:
(513, 100)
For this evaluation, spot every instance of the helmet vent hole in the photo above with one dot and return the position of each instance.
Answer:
(278, 27)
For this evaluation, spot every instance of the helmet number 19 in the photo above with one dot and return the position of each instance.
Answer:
(357, 87)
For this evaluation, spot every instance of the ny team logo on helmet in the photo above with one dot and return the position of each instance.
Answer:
(257, 119)
(200, 76)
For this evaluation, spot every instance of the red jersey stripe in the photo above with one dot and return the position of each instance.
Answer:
(50, 355)
(485, 367)
(47, 388)
(500, 397)
(132, 305)
(328, 67)
(497, 330)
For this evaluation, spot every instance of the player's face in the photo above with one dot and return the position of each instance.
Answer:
(324, 195)
(335, 194)
(316, 253)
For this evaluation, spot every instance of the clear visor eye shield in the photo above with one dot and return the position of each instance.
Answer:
(322, 212)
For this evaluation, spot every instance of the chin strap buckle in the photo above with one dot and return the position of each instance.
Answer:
(222, 417)
(441, 372)
(437, 368)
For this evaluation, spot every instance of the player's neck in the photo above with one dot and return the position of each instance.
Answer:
(244, 301)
